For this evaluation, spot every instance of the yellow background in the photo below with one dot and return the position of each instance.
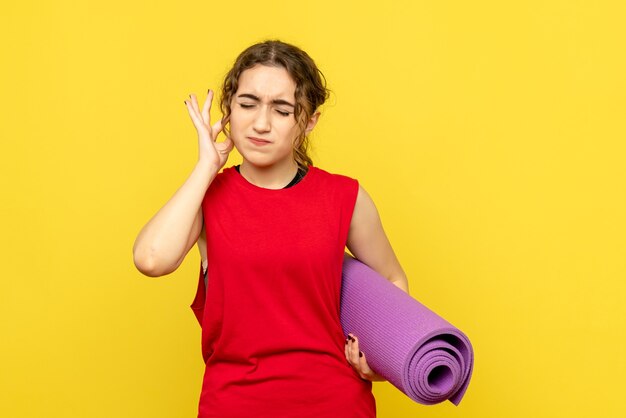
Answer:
(490, 134)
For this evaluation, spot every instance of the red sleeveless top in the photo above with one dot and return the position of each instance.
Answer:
(272, 341)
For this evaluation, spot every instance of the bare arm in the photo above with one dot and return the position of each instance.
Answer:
(368, 242)
(165, 240)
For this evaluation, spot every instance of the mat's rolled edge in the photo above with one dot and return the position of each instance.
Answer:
(455, 397)
(439, 337)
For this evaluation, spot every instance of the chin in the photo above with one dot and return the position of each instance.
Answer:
(256, 159)
(261, 159)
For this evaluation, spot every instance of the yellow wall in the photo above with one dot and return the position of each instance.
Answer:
(489, 133)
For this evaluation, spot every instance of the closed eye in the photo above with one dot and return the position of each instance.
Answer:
(249, 106)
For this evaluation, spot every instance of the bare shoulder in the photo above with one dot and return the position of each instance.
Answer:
(365, 213)
(365, 224)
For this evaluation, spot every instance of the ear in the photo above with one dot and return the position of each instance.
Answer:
(312, 122)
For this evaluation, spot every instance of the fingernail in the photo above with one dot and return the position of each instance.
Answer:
(346, 341)
(352, 338)
(360, 354)
(185, 101)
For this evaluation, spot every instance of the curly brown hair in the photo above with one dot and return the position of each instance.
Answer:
(311, 91)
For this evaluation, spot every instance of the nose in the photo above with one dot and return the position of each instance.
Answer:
(262, 120)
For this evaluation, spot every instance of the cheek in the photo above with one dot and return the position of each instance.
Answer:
(236, 122)
(293, 130)
(289, 126)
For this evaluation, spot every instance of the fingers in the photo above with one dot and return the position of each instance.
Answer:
(347, 350)
(356, 358)
(206, 115)
(192, 105)
(217, 128)
(195, 116)
(366, 371)
(225, 147)
(352, 353)
(202, 118)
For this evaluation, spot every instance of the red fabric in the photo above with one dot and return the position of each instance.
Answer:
(271, 336)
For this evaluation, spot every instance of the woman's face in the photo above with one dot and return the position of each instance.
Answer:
(262, 122)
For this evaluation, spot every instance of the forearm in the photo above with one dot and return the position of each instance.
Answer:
(164, 241)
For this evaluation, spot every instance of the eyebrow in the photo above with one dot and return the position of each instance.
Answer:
(276, 101)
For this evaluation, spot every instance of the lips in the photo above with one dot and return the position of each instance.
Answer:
(258, 141)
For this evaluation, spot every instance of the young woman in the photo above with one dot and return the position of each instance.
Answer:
(272, 233)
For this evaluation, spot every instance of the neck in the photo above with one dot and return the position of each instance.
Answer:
(275, 176)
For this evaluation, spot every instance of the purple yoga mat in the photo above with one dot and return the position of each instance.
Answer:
(412, 347)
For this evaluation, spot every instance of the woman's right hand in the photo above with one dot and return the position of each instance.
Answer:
(209, 150)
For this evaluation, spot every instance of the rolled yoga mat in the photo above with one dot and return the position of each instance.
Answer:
(412, 347)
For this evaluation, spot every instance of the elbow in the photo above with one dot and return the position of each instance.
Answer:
(148, 264)
(401, 282)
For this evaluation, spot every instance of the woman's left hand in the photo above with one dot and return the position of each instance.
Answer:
(357, 360)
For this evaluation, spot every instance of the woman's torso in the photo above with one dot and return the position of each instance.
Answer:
(272, 340)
